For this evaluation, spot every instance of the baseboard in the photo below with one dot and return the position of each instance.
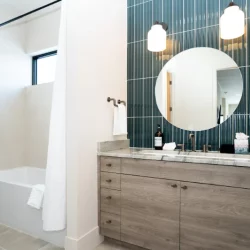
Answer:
(87, 242)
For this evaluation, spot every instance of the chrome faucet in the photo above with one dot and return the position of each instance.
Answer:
(192, 138)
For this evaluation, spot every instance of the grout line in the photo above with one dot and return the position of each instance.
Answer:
(131, 6)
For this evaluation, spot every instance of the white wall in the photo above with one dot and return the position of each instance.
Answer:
(38, 101)
(15, 72)
(42, 33)
(96, 59)
(24, 115)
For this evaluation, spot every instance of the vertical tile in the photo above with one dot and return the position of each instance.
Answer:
(213, 37)
(138, 135)
(130, 99)
(167, 14)
(148, 133)
(139, 22)
(201, 37)
(189, 16)
(226, 131)
(223, 5)
(156, 111)
(200, 13)
(131, 24)
(177, 135)
(248, 89)
(188, 42)
(157, 63)
(239, 46)
(131, 131)
(248, 125)
(178, 15)
(239, 123)
(248, 9)
(130, 2)
(138, 62)
(147, 18)
(177, 43)
(213, 15)
(200, 139)
(167, 130)
(148, 97)
(138, 98)
(130, 61)
(157, 10)
(213, 138)
(139, 1)
(227, 47)
(148, 61)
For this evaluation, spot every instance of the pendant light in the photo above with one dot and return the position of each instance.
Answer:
(157, 37)
(232, 22)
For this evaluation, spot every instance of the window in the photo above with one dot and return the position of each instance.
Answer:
(44, 68)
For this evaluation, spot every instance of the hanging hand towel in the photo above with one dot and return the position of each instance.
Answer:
(120, 120)
(36, 196)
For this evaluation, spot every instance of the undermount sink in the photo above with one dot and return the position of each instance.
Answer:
(192, 154)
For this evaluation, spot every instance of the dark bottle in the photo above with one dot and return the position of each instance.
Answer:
(159, 139)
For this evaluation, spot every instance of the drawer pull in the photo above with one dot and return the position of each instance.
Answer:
(109, 165)
(108, 181)
(174, 186)
(109, 197)
(184, 187)
(109, 221)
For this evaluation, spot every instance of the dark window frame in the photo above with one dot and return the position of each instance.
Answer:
(34, 64)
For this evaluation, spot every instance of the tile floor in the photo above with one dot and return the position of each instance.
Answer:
(11, 239)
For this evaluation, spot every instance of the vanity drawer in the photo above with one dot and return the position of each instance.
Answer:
(111, 225)
(111, 180)
(111, 201)
(109, 164)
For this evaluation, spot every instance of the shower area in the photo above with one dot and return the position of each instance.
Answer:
(32, 145)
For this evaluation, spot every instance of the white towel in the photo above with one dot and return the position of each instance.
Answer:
(120, 120)
(169, 146)
(36, 196)
(241, 136)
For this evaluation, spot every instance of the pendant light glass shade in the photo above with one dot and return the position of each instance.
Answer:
(232, 22)
(157, 38)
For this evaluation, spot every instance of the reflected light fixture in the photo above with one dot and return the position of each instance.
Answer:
(232, 22)
(157, 37)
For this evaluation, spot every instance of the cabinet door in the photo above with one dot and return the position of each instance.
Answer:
(214, 218)
(150, 212)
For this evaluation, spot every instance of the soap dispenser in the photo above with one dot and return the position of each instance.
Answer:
(159, 138)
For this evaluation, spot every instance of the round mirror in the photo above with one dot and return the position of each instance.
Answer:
(199, 89)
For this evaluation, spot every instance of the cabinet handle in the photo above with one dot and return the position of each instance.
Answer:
(109, 165)
(174, 186)
(184, 187)
(108, 181)
(109, 198)
(109, 221)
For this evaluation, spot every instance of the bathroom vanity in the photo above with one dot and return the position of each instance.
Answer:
(175, 200)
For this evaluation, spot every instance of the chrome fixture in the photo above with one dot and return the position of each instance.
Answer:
(192, 138)
(206, 148)
(182, 147)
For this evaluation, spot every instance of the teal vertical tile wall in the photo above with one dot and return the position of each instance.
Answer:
(192, 23)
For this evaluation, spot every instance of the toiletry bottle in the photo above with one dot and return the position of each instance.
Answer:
(158, 139)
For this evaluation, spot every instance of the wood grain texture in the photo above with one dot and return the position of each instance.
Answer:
(111, 225)
(111, 201)
(150, 212)
(201, 173)
(110, 180)
(214, 218)
(109, 164)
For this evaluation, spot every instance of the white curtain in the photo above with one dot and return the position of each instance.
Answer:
(54, 205)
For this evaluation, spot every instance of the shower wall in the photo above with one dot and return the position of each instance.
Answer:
(24, 109)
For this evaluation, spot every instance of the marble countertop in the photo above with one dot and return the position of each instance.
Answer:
(214, 158)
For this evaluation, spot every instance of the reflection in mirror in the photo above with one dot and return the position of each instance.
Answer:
(199, 89)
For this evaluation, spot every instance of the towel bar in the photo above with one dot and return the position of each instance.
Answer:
(114, 101)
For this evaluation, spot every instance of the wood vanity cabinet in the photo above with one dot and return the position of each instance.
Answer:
(161, 206)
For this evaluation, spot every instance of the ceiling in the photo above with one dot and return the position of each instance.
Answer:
(13, 8)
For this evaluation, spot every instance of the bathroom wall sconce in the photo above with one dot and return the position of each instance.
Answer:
(232, 22)
(157, 37)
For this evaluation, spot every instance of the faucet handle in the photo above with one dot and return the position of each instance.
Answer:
(182, 147)
(206, 147)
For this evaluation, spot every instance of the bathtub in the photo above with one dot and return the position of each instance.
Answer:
(15, 188)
